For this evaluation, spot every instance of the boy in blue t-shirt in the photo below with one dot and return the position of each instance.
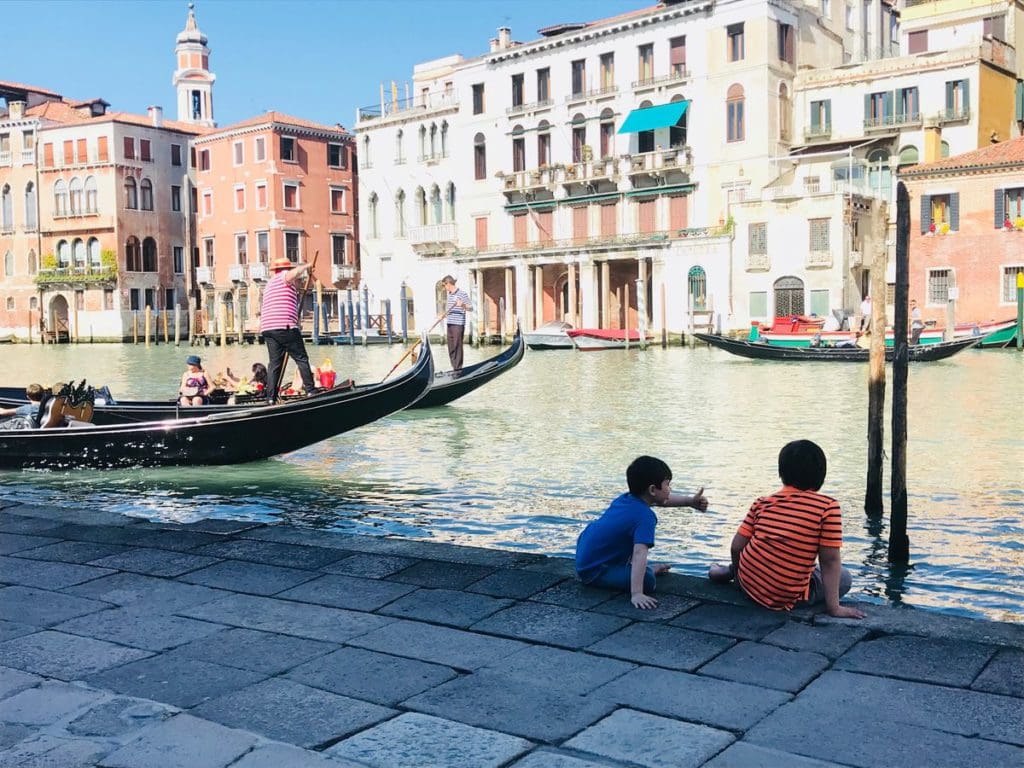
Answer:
(612, 550)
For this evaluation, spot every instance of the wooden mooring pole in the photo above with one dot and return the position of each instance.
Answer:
(873, 506)
(899, 544)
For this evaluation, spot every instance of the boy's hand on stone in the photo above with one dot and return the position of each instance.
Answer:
(643, 602)
(661, 568)
(845, 612)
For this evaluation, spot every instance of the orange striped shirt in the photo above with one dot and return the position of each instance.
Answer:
(785, 531)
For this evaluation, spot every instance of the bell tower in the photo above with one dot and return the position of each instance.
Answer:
(193, 78)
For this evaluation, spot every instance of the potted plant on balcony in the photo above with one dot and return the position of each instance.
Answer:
(1019, 225)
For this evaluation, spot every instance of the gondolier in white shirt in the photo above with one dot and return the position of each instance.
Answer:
(455, 312)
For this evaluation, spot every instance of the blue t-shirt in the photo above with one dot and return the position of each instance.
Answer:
(27, 411)
(609, 540)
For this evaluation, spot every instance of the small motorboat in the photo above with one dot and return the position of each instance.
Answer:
(551, 335)
(589, 339)
(994, 334)
(759, 350)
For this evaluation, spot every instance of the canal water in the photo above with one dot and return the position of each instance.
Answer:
(526, 461)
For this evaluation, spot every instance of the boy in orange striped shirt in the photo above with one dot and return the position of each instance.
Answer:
(775, 548)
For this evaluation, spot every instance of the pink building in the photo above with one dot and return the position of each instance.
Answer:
(271, 186)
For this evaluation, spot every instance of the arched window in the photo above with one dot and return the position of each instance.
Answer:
(33, 303)
(400, 214)
(444, 138)
(435, 205)
(543, 144)
(78, 252)
(785, 113)
(6, 209)
(367, 162)
(677, 134)
(75, 188)
(697, 287)
(60, 198)
(146, 193)
(91, 197)
(374, 232)
(30, 207)
(131, 192)
(944, 148)
(399, 159)
(63, 254)
(9, 265)
(479, 157)
(95, 261)
(433, 140)
(423, 142)
(149, 255)
(132, 255)
(879, 172)
(579, 137)
(518, 149)
(606, 131)
(734, 117)
(908, 155)
(789, 296)
(33, 262)
(421, 207)
(449, 197)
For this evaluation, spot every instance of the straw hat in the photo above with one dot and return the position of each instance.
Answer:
(281, 262)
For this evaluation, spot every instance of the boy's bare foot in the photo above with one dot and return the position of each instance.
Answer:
(661, 568)
(720, 574)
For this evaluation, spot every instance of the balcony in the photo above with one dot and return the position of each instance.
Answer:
(258, 272)
(654, 163)
(411, 108)
(593, 94)
(590, 170)
(889, 122)
(680, 75)
(433, 237)
(5, 159)
(818, 133)
(757, 262)
(28, 156)
(78, 275)
(342, 273)
(819, 259)
(955, 115)
(536, 178)
(238, 273)
(518, 109)
(204, 275)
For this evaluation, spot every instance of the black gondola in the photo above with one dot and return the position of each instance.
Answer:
(234, 437)
(451, 385)
(918, 353)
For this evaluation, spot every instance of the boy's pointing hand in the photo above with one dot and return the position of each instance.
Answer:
(699, 500)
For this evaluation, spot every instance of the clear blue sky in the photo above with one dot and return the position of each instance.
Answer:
(314, 59)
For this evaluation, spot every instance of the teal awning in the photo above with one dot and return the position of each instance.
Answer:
(652, 118)
(666, 190)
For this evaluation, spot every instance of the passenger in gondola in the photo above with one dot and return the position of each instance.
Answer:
(34, 393)
(195, 385)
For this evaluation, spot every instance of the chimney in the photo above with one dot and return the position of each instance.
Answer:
(504, 38)
(494, 44)
(17, 110)
(156, 116)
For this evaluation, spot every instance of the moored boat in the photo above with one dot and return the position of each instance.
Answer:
(232, 437)
(994, 334)
(589, 339)
(761, 351)
(551, 335)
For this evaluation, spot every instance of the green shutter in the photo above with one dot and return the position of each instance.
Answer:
(828, 114)
(1020, 101)
(887, 107)
(950, 88)
(966, 106)
(926, 212)
(815, 120)
(867, 109)
(1000, 207)
(954, 212)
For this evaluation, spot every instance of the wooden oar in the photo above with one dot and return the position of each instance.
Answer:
(275, 393)
(419, 341)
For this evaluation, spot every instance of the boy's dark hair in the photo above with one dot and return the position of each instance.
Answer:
(34, 392)
(802, 465)
(644, 472)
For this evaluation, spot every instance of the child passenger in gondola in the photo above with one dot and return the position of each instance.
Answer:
(612, 550)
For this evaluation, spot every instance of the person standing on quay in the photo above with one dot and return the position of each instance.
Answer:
(455, 312)
(279, 324)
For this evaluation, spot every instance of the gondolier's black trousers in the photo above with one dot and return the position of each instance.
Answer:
(455, 334)
(278, 342)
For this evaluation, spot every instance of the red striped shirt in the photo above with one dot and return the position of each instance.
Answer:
(280, 305)
(786, 530)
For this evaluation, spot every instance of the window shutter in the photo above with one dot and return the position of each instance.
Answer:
(69, 153)
(1000, 207)
(867, 109)
(950, 86)
(887, 106)
(926, 212)
(48, 155)
(965, 106)
(828, 114)
(815, 118)
(954, 211)
(1020, 100)
(101, 149)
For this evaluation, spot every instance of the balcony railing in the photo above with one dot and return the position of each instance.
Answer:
(90, 210)
(661, 159)
(411, 106)
(430, 234)
(677, 76)
(757, 262)
(881, 122)
(590, 170)
(77, 275)
(531, 107)
(532, 179)
(593, 93)
(238, 273)
(341, 273)
(5, 158)
(818, 187)
(204, 275)
(953, 115)
(258, 271)
(433, 157)
(28, 156)
(818, 132)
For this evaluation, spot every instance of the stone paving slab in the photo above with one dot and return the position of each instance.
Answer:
(12, 629)
(11, 734)
(42, 608)
(574, 671)
(46, 750)
(139, 628)
(767, 666)
(454, 648)
(717, 703)
(118, 717)
(273, 553)
(251, 578)
(182, 742)
(133, 588)
(154, 562)
(288, 618)
(63, 656)
(669, 606)
(370, 676)
(175, 540)
(828, 640)
(222, 526)
(369, 566)
(548, 758)
(45, 575)
(174, 679)
(661, 646)
(347, 592)
(61, 514)
(445, 606)
(517, 584)
(743, 755)
(283, 533)
(79, 552)
(14, 523)
(265, 652)
(1004, 674)
(434, 574)
(14, 680)
(546, 714)
(285, 710)
(928, 660)
(574, 594)
(551, 624)
(48, 703)
(19, 542)
(125, 535)
(652, 741)
(274, 755)
(734, 621)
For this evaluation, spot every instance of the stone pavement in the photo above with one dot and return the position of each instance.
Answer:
(131, 644)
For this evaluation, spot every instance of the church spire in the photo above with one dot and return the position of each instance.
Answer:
(192, 78)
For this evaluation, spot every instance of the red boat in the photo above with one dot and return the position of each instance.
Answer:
(588, 339)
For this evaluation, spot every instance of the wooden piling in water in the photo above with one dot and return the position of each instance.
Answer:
(873, 505)
(177, 326)
(135, 326)
(222, 322)
(899, 544)
(166, 335)
(148, 323)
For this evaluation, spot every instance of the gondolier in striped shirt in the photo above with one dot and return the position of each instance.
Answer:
(455, 312)
(279, 323)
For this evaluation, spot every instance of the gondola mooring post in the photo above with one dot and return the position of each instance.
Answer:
(403, 308)
(387, 318)
(366, 312)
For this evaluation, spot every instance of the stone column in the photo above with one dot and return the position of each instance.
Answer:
(588, 295)
(571, 315)
(538, 296)
(480, 305)
(606, 308)
(524, 297)
(509, 323)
